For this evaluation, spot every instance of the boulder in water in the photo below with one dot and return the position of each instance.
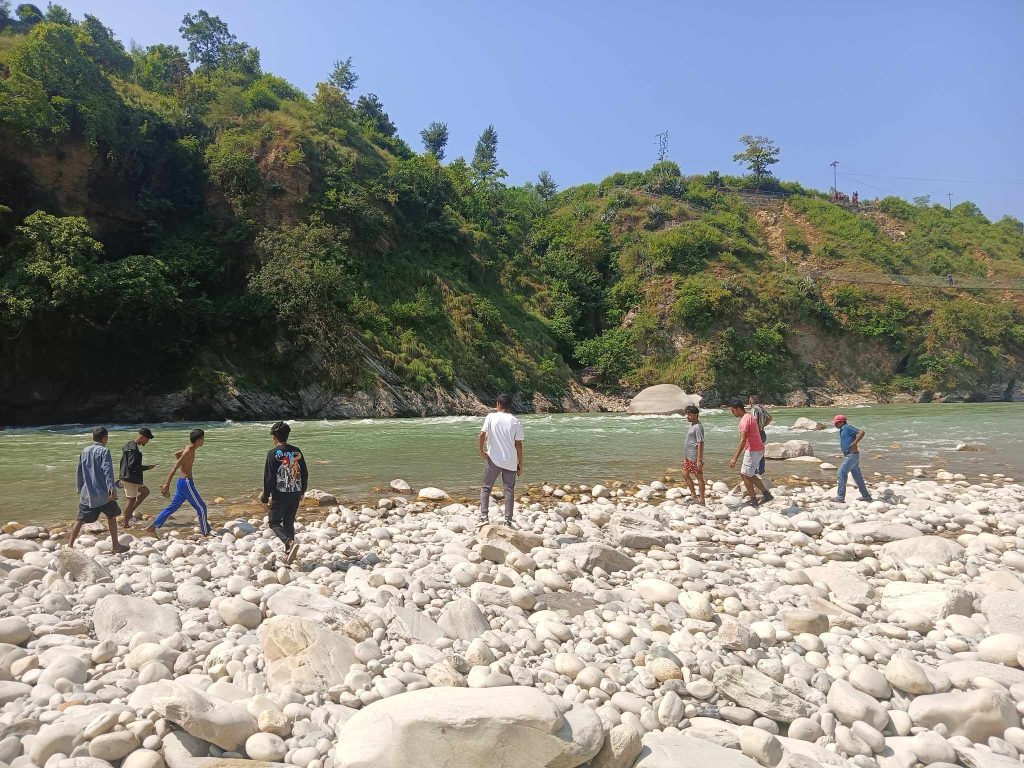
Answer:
(662, 400)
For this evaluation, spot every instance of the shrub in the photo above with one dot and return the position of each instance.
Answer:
(701, 299)
(613, 353)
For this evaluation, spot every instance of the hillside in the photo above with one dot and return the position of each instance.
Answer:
(183, 235)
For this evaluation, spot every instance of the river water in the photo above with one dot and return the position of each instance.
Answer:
(353, 458)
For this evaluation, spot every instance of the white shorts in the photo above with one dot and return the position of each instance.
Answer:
(751, 462)
(131, 490)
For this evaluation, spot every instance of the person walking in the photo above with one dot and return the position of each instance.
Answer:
(186, 489)
(849, 442)
(763, 420)
(751, 448)
(131, 473)
(285, 478)
(501, 447)
(97, 492)
(693, 454)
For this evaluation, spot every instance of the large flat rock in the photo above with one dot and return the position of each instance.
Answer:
(662, 400)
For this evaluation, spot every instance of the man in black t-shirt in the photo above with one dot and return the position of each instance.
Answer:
(285, 478)
(131, 473)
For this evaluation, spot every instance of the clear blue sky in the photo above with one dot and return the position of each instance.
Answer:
(901, 89)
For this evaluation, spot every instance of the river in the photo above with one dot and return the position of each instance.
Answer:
(352, 458)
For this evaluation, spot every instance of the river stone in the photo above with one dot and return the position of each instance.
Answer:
(75, 565)
(850, 705)
(799, 620)
(1004, 611)
(621, 747)
(226, 724)
(935, 601)
(11, 690)
(844, 582)
(657, 591)
(463, 620)
(961, 672)
(16, 549)
(1002, 648)
(977, 758)
(119, 617)
(113, 746)
(807, 424)
(400, 486)
(662, 400)
(432, 494)
(56, 738)
(14, 630)
(907, 675)
(676, 750)
(591, 555)
(194, 595)
(522, 540)
(414, 625)
(755, 690)
(308, 603)
(266, 746)
(883, 532)
(509, 727)
(920, 551)
(976, 715)
(305, 655)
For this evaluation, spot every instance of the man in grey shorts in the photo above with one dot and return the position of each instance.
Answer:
(97, 493)
(501, 446)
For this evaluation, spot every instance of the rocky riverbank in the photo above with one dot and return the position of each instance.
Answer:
(620, 628)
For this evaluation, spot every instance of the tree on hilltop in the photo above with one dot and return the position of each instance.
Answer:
(435, 139)
(343, 76)
(546, 186)
(485, 157)
(370, 108)
(760, 153)
(207, 37)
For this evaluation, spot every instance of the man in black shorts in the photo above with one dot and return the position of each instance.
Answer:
(285, 478)
(97, 492)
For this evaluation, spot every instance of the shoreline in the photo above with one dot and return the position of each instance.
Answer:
(622, 621)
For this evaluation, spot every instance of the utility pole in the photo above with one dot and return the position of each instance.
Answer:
(835, 186)
(950, 196)
(662, 153)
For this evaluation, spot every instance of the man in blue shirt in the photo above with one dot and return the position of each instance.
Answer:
(849, 439)
(97, 489)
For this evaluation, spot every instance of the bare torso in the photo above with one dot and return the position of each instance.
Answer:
(188, 458)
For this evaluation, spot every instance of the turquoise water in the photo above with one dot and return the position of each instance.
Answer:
(352, 458)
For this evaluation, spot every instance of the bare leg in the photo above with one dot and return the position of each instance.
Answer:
(129, 508)
(689, 484)
(75, 529)
(748, 483)
(115, 545)
(703, 487)
(757, 481)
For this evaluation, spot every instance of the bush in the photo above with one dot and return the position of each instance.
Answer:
(701, 300)
(613, 353)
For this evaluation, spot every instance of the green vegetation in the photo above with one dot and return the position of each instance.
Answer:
(213, 226)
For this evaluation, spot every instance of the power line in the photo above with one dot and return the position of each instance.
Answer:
(921, 178)
(859, 181)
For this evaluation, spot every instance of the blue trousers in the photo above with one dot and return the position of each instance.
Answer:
(851, 466)
(185, 491)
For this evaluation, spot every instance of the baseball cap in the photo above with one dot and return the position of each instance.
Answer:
(837, 418)
(146, 432)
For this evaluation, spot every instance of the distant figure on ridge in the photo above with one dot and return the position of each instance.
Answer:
(855, 199)
(131, 470)
(285, 478)
(764, 418)
(97, 491)
(693, 455)
(751, 448)
(949, 279)
(849, 439)
(501, 446)
(186, 488)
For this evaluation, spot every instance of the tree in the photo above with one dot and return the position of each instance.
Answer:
(371, 110)
(5, 13)
(546, 186)
(28, 14)
(105, 49)
(58, 14)
(343, 76)
(161, 68)
(760, 153)
(435, 138)
(208, 38)
(485, 157)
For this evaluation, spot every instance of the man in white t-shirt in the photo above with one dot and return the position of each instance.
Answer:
(501, 446)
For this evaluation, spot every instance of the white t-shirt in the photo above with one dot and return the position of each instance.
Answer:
(502, 430)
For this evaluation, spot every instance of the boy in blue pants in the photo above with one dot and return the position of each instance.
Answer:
(186, 489)
(849, 439)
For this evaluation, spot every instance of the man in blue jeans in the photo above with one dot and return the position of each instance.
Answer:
(849, 439)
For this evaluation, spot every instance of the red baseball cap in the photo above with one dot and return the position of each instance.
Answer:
(837, 418)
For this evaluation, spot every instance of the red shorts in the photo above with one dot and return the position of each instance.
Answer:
(691, 467)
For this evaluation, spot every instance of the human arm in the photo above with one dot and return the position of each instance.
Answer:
(482, 441)
(700, 455)
(739, 450)
(768, 418)
(166, 487)
(856, 441)
(269, 474)
(107, 467)
(303, 472)
(519, 457)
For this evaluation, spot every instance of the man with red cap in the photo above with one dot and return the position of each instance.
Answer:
(849, 439)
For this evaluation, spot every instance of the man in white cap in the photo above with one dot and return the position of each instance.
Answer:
(849, 439)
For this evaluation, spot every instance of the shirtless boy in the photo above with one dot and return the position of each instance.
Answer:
(186, 488)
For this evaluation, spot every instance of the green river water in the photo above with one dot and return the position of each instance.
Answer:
(352, 458)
